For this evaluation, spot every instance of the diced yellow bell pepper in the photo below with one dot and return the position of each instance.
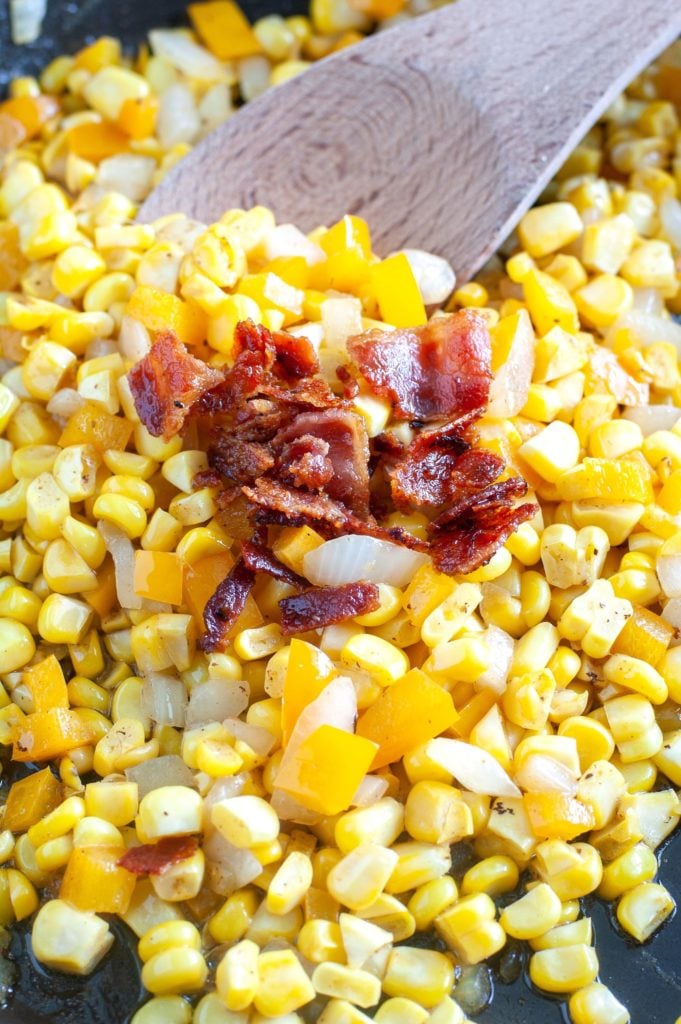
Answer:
(410, 712)
(308, 671)
(94, 881)
(159, 576)
(161, 311)
(92, 425)
(103, 597)
(324, 772)
(224, 28)
(549, 303)
(472, 711)
(645, 635)
(30, 799)
(349, 232)
(557, 816)
(608, 479)
(46, 684)
(397, 293)
(31, 111)
(200, 583)
(96, 142)
(272, 292)
(47, 734)
(137, 117)
(103, 51)
(292, 269)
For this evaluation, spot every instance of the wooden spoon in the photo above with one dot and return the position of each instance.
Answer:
(441, 132)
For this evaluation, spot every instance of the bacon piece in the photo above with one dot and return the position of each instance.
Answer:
(467, 535)
(286, 355)
(440, 466)
(225, 606)
(304, 463)
(259, 558)
(313, 393)
(324, 606)
(155, 858)
(348, 452)
(166, 383)
(348, 380)
(433, 372)
(238, 460)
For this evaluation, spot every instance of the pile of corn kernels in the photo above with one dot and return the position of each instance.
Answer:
(562, 661)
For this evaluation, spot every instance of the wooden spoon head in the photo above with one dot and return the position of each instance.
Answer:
(441, 132)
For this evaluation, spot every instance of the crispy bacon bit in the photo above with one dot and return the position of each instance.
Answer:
(155, 858)
(304, 463)
(238, 460)
(259, 558)
(348, 380)
(287, 506)
(166, 383)
(467, 535)
(433, 372)
(226, 605)
(324, 606)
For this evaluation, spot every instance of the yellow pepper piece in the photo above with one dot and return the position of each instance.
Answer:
(557, 816)
(47, 734)
(224, 29)
(324, 772)
(96, 142)
(161, 311)
(47, 685)
(94, 881)
(200, 582)
(158, 576)
(645, 636)
(307, 673)
(92, 425)
(609, 479)
(30, 799)
(410, 712)
(137, 117)
(397, 293)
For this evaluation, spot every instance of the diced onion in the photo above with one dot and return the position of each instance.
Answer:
(227, 867)
(669, 574)
(511, 383)
(475, 769)
(216, 699)
(670, 218)
(65, 402)
(288, 240)
(167, 770)
(671, 613)
(122, 552)
(164, 699)
(128, 173)
(500, 646)
(648, 300)
(258, 739)
(369, 791)
(187, 56)
(254, 76)
(288, 809)
(133, 340)
(648, 328)
(178, 119)
(341, 318)
(541, 774)
(353, 558)
(223, 789)
(336, 705)
(215, 107)
(653, 417)
(26, 18)
(434, 275)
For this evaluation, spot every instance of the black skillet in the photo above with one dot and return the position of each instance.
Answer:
(646, 978)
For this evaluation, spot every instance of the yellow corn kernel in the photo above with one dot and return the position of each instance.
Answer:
(54, 854)
(571, 869)
(419, 974)
(533, 914)
(380, 823)
(236, 977)
(435, 813)
(86, 540)
(47, 506)
(470, 930)
(358, 879)
(643, 909)
(175, 970)
(125, 513)
(169, 811)
(259, 642)
(321, 941)
(565, 969)
(353, 984)
(544, 229)
(168, 935)
(431, 899)
(283, 986)
(634, 674)
(63, 620)
(492, 875)
(58, 823)
(631, 868)
(171, 1010)
(290, 883)
(451, 615)
(232, 921)
(595, 618)
(69, 940)
(385, 662)
(595, 1004)
(245, 821)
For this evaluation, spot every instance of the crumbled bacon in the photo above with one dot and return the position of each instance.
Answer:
(324, 606)
(155, 858)
(434, 372)
(166, 383)
(239, 460)
(304, 462)
(259, 558)
(226, 605)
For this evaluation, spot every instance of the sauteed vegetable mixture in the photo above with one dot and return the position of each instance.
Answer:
(340, 601)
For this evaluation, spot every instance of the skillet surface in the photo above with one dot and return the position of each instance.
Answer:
(647, 979)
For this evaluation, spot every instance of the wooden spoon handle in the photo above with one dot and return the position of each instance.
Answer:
(441, 132)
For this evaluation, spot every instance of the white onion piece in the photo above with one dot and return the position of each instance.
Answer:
(500, 646)
(653, 417)
(475, 769)
(223, 788)
(620, 384)
(288, 809)
(216, 699)
(128, 173)
(215, 107)
(65, 402)
(669, 574)
(336, 705)
(227, 867)
(670, 218)
(341, 318)
(541, 774)
(434, 275)
(648, 328)
(369, 791)
(648, 300)
(168, 770)
(288, 240)
(353, 558)
(26, 20)
(254, 76)
(164, 699)
(258, 739)
(511, 383)
(121, 550)
(187, 56)
(133, 340)
(178, 119)
(100, 347)
(671, 613)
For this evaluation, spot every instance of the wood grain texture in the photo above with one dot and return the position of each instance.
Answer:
(441, 131)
